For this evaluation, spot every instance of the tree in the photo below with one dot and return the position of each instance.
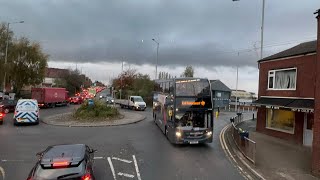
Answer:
(188, 72)
(26, 64)
(71, 80)
(133, 83)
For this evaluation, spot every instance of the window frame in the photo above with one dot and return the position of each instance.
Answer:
(274, 79)
(278, 129)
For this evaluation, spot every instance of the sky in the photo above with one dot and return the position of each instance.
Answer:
(214, 36)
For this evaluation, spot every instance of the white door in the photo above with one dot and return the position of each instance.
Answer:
(307, 129)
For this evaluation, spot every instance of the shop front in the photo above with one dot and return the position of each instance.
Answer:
(289, 119)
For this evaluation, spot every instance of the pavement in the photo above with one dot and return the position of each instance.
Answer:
(140, 150)
(275, 158)
(65, 119)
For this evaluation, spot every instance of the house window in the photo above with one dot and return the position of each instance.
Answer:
(281, 120)
(282, 79)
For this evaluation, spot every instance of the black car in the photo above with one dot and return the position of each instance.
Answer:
(65, 162)
(7, 106)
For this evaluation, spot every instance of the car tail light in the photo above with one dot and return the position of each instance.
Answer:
(86, 177)
(1, 115)
(61, 164)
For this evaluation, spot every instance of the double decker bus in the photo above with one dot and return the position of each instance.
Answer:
(182, 108)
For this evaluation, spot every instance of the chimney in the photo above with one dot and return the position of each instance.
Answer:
(316, 125)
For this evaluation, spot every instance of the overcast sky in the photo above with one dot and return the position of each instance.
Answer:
(208, 34)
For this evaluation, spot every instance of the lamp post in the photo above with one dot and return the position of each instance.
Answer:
(6, 54)
(157, 57)
(262, 27)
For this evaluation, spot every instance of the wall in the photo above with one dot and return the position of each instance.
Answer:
(297, 137)
(221, 103)
(305, 76)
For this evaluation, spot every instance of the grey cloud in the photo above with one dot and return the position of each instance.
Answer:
(189, 32)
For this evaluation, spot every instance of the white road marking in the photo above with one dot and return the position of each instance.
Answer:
(123, 160)
(98, 157)
(126, 175)
(136, 165)
(112, 169)
(2, 173)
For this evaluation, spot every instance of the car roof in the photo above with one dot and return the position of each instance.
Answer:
(70, 152)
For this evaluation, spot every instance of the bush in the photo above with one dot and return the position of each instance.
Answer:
(100, 110)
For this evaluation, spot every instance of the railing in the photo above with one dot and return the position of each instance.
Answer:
(242, 141)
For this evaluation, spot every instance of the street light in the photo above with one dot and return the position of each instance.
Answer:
(6, 55)
(157, 57)
(262, 27)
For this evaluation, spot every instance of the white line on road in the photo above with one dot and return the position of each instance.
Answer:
(2, 173)
(136, 165)
(123, 160)
(98, 157)
(126, 175)
(112, 169)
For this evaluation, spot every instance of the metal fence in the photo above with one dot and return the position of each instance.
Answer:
(245, 145)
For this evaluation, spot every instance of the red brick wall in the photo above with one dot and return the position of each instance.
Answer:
(316, 125)
(297, 137)
(305, 76)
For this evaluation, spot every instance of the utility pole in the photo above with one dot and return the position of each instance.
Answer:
(262, 27)
(121, 79)
(236, 106)
(155, 77)
(6, 55)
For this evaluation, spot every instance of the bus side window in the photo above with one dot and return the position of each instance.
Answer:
(166, 90)
(161, 87)
(171, 87)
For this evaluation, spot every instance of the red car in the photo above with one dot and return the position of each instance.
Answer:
(76, 100)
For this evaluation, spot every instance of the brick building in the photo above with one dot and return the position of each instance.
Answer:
(289, 96)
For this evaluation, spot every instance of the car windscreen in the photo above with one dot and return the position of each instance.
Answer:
(49, 174)
(138, 99)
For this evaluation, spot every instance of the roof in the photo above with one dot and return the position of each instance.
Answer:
(217, 85)
(301, 49)
(71, 152)
(286, 102)
(55, 72)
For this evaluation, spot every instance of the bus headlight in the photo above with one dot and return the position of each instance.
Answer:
(178, 134)
(209, 133)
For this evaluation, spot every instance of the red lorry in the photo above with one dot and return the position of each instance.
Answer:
(50, 97)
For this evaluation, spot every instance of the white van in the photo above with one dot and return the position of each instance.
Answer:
(26, 111)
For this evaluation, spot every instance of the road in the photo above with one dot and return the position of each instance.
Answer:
(120, 146)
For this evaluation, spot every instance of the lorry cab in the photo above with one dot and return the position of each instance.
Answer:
(26, 111)
(137, 103)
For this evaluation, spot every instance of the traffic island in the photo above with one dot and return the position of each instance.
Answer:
(68, 120)
(94, 113)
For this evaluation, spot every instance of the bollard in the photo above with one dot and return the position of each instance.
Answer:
(229, 107)
(248, 109)
(242, 109)
(252, 116)
(225, 108)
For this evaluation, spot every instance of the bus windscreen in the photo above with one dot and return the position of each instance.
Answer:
(194, 87)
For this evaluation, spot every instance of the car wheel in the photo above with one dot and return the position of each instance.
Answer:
(1, 122)
(37, 122)
(15, 123)
(6, 111)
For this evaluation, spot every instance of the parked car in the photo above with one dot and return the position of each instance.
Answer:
(76, 100)
(7, 106)
(69, 161)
